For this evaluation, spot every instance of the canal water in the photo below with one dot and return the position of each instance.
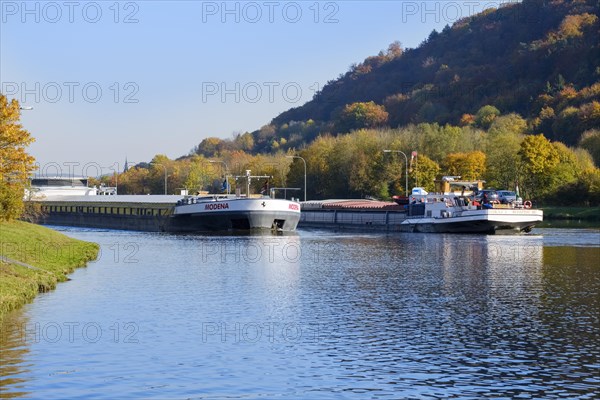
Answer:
(315, 314)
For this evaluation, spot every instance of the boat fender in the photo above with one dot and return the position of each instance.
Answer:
(527, 204)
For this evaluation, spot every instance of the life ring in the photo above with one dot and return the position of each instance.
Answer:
(527, 204)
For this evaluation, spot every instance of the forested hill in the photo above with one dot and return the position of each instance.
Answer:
(538, 58)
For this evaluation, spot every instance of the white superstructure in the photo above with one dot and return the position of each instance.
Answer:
(448, 213)
(47, 187)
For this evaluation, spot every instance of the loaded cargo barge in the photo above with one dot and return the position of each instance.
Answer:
(467, 210)
(353, 215)
(168, 213)
(139, 213)
(436, 215)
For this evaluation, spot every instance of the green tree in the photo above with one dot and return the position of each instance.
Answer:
(511, 124)
(503, 160)
(538, 157)
(423, 173)
(319, 169)
(567, 170)
(199, 174)
(565, 125)
(590, 140)
(15, 164)
(370, 173)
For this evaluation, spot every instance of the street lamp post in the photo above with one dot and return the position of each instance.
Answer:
(304, 161)
(165, 168)
(405, 167)
(226, 172)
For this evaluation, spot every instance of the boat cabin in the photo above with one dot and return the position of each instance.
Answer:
(453, 185)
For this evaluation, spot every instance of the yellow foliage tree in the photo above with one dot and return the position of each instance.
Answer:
(469, 166)
(423, 172)
(15, 164)
(572, 25)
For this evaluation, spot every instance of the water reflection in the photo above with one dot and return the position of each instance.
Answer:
(320, 315)
(13, 352)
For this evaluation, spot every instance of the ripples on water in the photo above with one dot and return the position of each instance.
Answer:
(316, 315)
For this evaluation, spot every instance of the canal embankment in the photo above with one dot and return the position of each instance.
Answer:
(33, 259)
(589, 214)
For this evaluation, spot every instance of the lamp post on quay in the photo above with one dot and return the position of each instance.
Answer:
(405, 168)
(165, 168)
(304, 161)
(226, 172)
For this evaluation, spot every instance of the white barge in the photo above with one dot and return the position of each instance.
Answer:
(235, 213)
(451, 215)
(447, 211)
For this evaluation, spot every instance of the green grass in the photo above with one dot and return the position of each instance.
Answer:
(52, 254)
(572, 213)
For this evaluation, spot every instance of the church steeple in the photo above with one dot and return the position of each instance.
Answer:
(126, 166)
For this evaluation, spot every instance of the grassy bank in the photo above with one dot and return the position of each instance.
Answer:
(572, 213)
(34, 259)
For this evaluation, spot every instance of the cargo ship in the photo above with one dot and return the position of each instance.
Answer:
(161, 213)
(446, 211)
(229, 212)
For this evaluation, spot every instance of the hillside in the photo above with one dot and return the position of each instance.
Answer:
(511, 96)
(538, 58)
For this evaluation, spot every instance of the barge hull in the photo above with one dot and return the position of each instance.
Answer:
(163, 214)
(278, 220)
(119, 222)
(480, 222)
(485, 221)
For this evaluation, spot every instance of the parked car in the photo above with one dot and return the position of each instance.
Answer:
(492, 195)
(506, 196)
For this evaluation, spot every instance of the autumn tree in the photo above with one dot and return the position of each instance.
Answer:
(467, 119)
(485, 116)
(469, 166)
(136, 180)
(361, 115)
(210, 146)
(245, 142)
(15, 164)
(572, 26)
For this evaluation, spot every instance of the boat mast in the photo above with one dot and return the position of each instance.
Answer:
(249, 177)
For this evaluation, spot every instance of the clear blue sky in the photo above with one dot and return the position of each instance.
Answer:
(110, 80)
